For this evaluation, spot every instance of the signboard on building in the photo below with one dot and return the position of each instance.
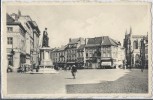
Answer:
(108, 63)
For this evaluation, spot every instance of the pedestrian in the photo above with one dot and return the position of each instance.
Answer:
(73, 71)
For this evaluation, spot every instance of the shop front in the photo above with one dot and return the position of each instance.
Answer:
(22, 59)
(80, 65)
(107, 63)
(70, 64)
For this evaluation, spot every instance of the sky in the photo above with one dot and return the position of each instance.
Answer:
(87, 21)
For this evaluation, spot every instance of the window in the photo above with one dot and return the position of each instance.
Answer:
(104, 54)
(22, 44)
(91, 54)
(135, 44)
(139, 44)
(108, 54)
(10, 29)
(86, 54)
(9, 40)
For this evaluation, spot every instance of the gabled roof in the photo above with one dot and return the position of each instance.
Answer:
(113, 42)
(9, 19)
(34, 25)
(98, 40)
(81, 47)
(55, 49)
(62, 48)
(104, 40)
(74, 41)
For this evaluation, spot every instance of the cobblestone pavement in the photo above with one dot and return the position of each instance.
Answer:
(87, 81)
(133, 82)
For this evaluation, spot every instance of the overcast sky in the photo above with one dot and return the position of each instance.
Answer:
(72, 21)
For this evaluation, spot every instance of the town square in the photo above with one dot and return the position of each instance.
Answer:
(77, 49)
(87, 81)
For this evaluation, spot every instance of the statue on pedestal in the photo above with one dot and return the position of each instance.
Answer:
(45, 39)
(46, 63)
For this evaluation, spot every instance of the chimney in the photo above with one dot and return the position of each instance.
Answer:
(69, 39)
(16, 17)
(19, 13)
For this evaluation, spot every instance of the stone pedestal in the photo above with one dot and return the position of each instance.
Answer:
(46, 64)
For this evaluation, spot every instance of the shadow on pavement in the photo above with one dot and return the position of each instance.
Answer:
(133, 82)
(69, 78)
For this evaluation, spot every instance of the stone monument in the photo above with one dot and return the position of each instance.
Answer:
(46, 64)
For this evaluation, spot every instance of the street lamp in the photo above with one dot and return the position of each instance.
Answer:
(12, 52)
(143, 54)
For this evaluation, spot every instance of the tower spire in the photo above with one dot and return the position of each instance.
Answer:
(130, 30)
(126, 32)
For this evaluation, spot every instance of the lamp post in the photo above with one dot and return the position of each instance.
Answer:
(142, 54)
(12, 52)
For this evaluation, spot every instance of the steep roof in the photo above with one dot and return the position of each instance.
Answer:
(62, 48)
(113, 42)
(11, 21)
(9, 18)
(104, 40)
(74, 41)
(34, 25)
(81, 47)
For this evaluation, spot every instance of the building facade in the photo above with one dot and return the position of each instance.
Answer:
(144, 52)
(81, 59)
(98, 52)
(55, 56)
(101, 52)
(59, 56)
(72, 49)
(29, 41)
(133, 45)
(16, 42)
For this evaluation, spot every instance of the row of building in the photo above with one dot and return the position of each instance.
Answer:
(103, 52)
(98, 52)
(22, 40)
(94, 52)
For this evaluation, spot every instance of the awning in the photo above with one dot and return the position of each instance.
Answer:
(71, 62)
(108, 58)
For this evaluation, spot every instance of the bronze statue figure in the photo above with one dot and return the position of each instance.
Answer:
(45, 39)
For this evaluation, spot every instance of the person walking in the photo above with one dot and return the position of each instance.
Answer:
(73, 71)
